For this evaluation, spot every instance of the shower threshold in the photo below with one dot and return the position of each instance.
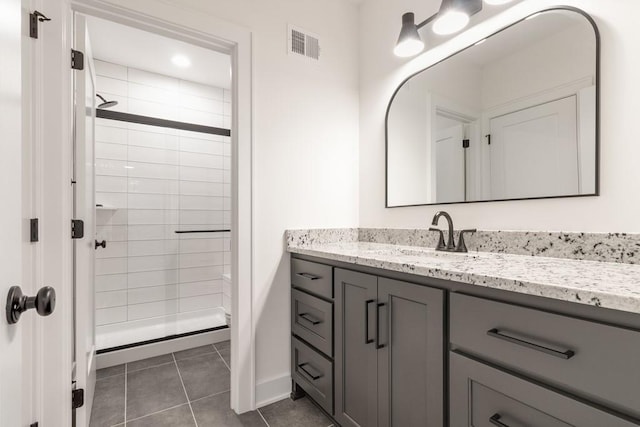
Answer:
(157, 340)
(148, 331)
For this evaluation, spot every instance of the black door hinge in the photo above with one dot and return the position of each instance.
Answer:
(77, 229)
(465, 143)
(77, 398)
(34, 18)
(77, 60)
(488, 136)
(33, 232)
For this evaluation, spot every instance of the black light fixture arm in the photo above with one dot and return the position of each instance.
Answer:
(426, 21)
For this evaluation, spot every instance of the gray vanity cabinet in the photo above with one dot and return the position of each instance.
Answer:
(389, 352)
(356, 358)
(482, 396)
(411, 355)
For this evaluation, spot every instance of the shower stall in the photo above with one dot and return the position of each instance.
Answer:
(163, 207)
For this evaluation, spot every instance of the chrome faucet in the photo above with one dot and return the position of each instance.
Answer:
(450, 246)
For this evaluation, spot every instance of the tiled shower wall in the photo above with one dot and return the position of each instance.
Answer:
(153, 181)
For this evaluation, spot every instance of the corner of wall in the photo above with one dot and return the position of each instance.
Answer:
(273, 390)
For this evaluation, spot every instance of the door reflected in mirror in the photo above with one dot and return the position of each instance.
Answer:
(512, 117)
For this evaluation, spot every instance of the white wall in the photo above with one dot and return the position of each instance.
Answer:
(305, 144)
(150, 281)
(618, 207)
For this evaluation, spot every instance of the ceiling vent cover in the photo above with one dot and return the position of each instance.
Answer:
(303, 43)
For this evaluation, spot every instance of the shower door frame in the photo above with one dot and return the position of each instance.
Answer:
(212, 33)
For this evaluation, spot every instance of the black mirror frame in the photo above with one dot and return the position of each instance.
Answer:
(590, 19)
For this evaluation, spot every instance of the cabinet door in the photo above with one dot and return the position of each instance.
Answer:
(482, 396)
(410, 355)
(355, 357)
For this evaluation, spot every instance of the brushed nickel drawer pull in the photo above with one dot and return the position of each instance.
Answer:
(309, 318)
(567, 354)
(312, 376)
(308, 276)
(495, 420)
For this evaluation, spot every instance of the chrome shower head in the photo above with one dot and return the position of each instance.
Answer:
(105, 103)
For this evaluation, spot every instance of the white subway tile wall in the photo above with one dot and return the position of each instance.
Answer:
(152, 181)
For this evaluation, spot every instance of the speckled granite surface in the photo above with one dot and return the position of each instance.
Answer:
(607, 247)
(321, 235)
(609, 285)
(594, 269)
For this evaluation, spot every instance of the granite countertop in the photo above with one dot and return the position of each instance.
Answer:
(601, 284)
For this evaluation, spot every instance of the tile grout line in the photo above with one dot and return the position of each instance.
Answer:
(185, 389)
(262, 416)
(155, 413)
(153, 366)
(223, 361)
(211, 395)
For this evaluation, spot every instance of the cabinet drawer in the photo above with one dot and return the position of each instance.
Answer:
(313, 372)
(312, 277)
(312, 320)
(592, 360)
(482, 396)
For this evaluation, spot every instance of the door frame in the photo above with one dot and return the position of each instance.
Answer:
(56, 98)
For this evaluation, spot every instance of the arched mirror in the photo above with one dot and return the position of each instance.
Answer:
(514, 116)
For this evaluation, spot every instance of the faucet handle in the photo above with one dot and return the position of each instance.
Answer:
(440, 246)
(461, 246)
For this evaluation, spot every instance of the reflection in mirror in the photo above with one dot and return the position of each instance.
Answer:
(513, 117)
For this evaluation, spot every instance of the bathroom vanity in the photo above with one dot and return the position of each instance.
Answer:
(394, 335)
(535, 329)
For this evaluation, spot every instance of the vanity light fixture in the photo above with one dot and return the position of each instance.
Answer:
(409, 42)
(452, 17)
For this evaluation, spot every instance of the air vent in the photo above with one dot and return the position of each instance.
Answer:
(303, 43)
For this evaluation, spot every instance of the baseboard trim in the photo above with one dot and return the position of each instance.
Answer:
(273, 390)
(132, 354)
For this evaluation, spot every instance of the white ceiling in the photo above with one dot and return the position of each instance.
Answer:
(135, 48)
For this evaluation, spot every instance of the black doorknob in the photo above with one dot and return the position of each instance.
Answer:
(102, 244)
(44, 302)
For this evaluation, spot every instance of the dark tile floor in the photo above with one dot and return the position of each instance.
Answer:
(189, 388)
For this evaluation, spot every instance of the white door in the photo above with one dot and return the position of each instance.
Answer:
(84, 209)
(534, 152)
(450, 165)
(11, 336)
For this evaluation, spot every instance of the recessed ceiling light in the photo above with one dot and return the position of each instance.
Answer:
(181, 61)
